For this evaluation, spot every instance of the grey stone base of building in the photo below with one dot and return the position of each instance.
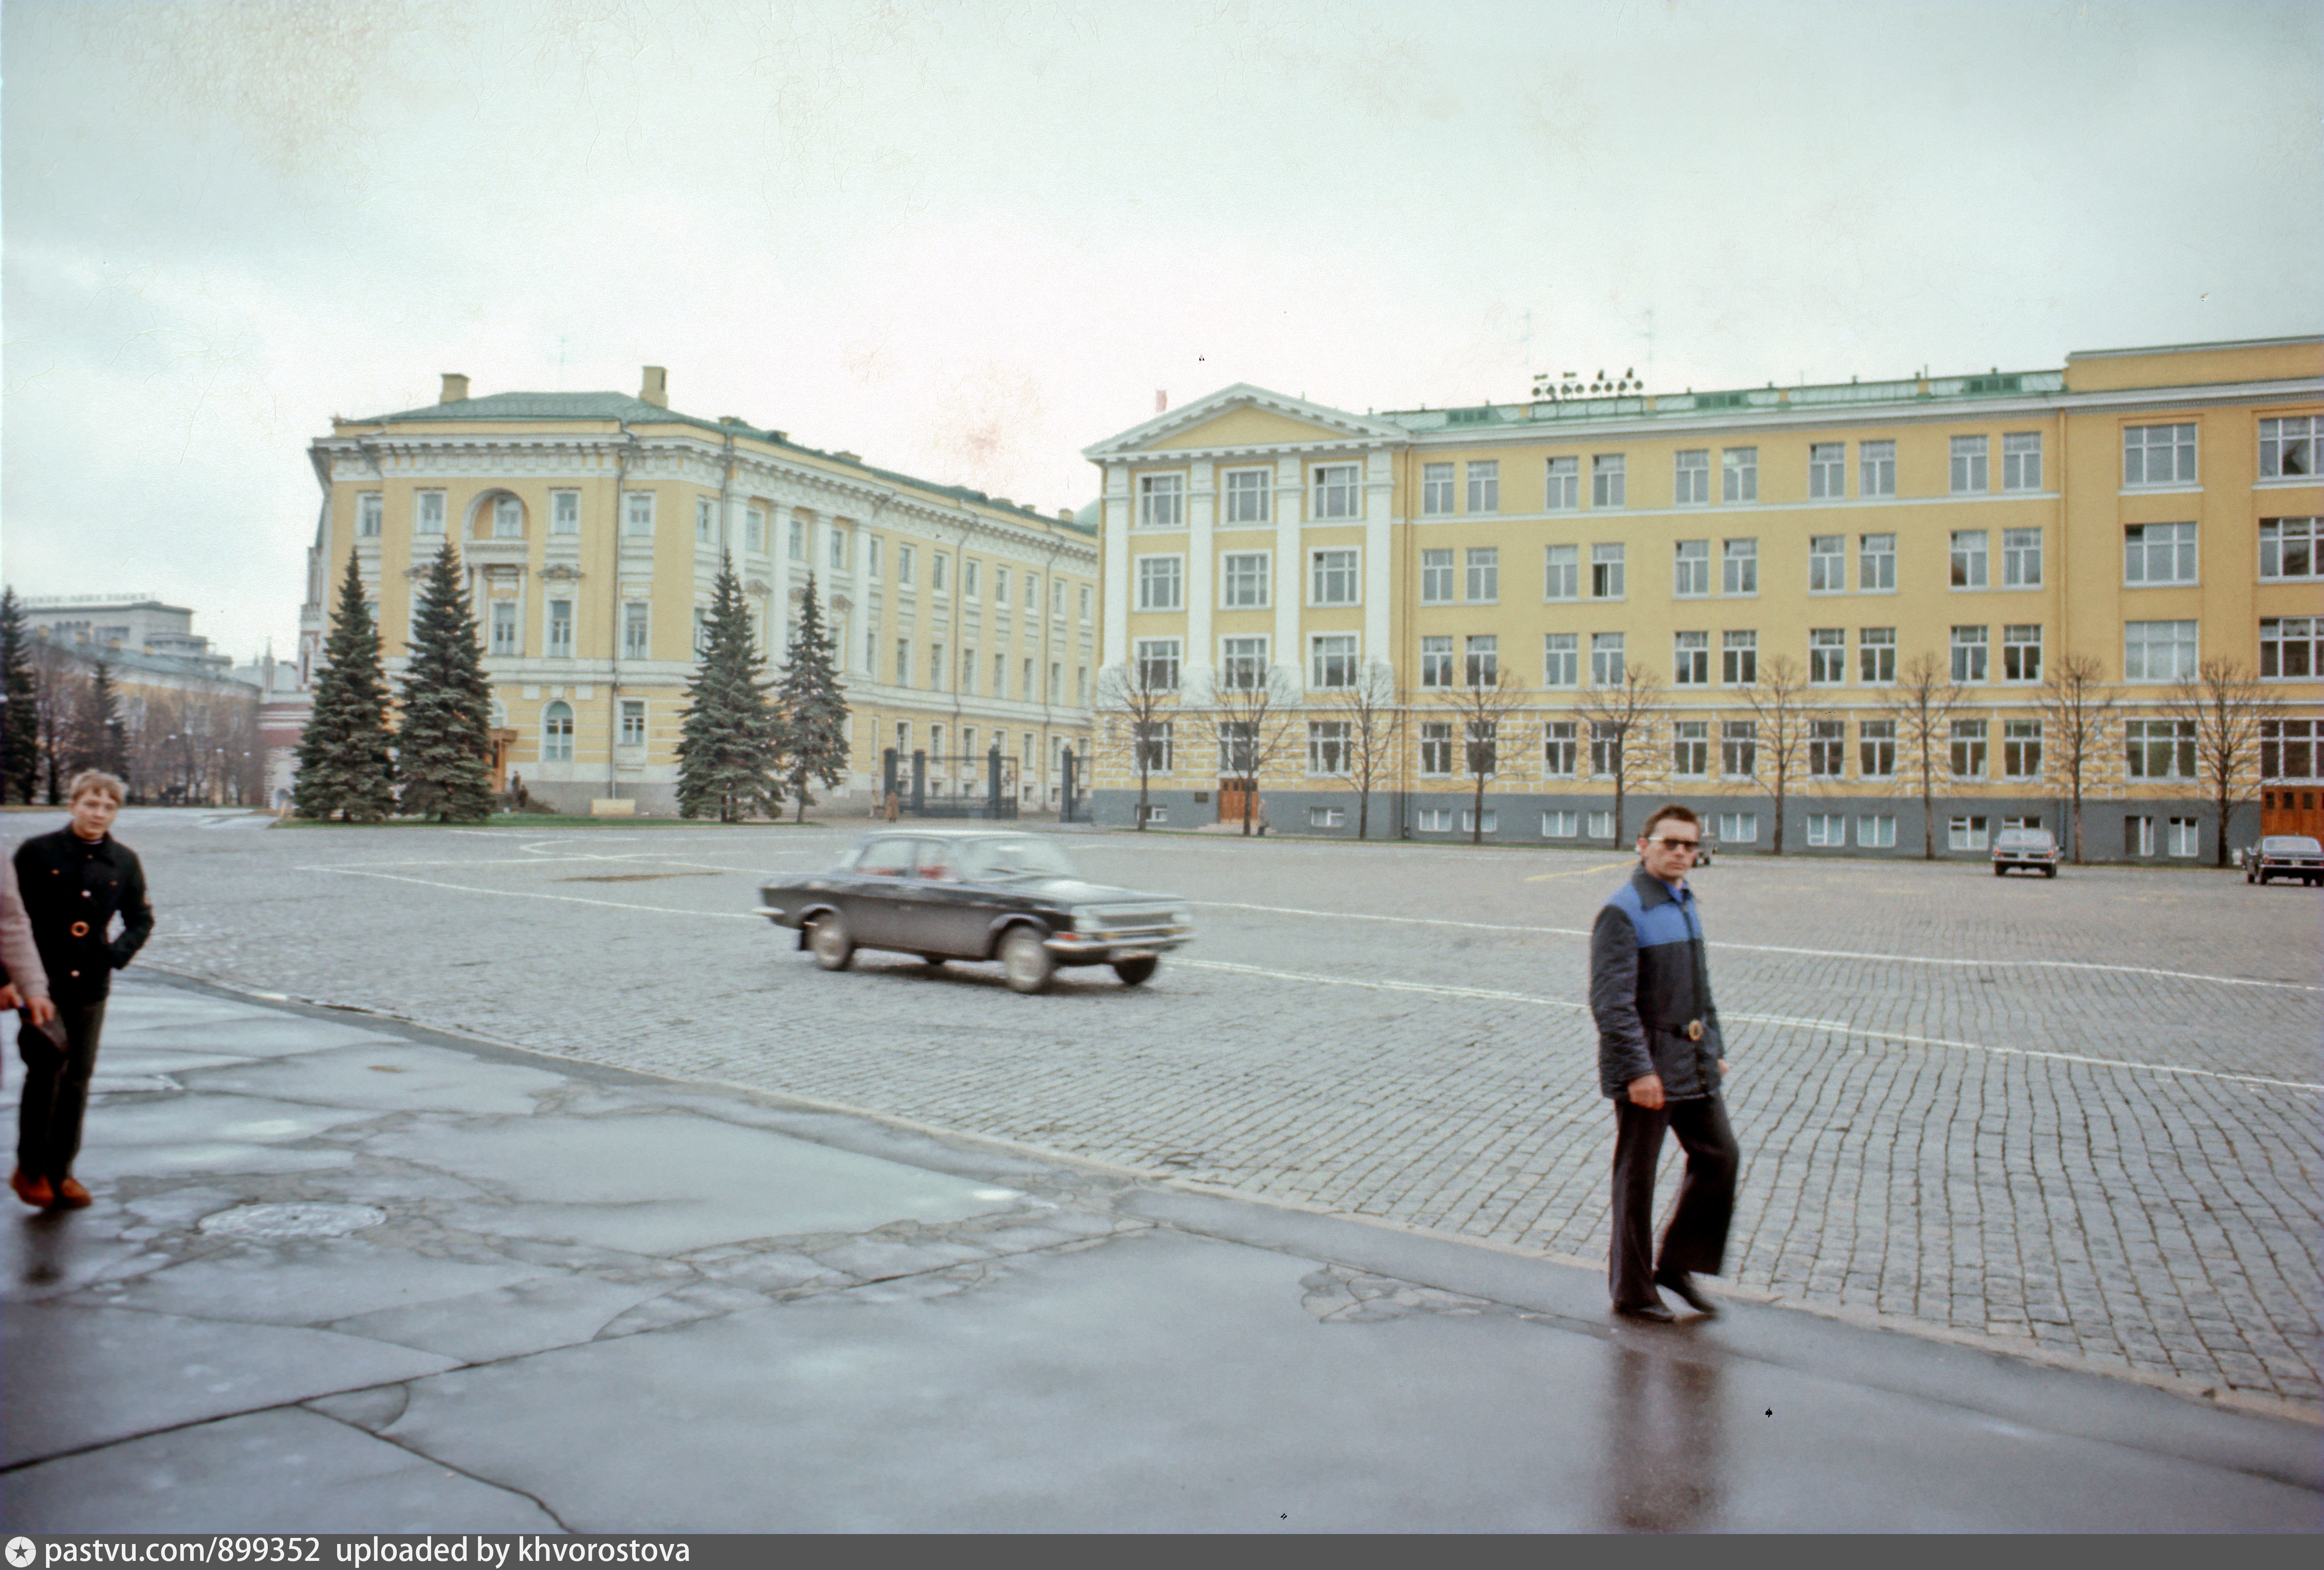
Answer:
(1826, 826)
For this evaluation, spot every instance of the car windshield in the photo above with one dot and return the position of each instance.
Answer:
(999, 858)
(2039, 837)
(2291, 845)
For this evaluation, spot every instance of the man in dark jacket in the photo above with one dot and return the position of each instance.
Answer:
(73, 883)
(1661, 1061)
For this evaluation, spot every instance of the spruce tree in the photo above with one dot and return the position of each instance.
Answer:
(104, 741)
(19, 737)
(445, 745)
(727, 754)
(814, 711)
(345, 763)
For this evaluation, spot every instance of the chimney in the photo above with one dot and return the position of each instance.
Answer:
(456, 388)
(656, 389)
(1161, 400)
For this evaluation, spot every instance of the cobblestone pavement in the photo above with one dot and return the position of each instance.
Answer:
(2081, 1115)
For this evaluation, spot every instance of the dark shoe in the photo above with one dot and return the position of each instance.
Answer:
(71, 1194)
(1652, 1313)
(34, 1191)
(1683, 1284)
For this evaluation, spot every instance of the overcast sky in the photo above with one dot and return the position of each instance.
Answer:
(967, 240)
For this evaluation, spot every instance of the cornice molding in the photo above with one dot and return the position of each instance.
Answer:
(1137, 441)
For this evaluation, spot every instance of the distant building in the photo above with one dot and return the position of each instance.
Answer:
(284, 703)
(136, 623)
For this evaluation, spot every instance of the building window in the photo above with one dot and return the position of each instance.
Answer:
(1969, 559)
(1969, 475)
(704, 521)
(1875, 563)
(937, 562)
(1337, 493)
(1691, 476)
(1738, 749)
(1876, 656)
(1739, 567)
(1332, 577)
(2137, 836)
(2288, 749)
(638, 515)
(1606, 572)
(2182, 836)
(1876, 468)
(1433, 820)
(2160, 749)
(1436, 747)
(560, 629)
(1737, 828)
(1690, 749)
(1739, 474)
(2291, 646)
(1738, 657)
(999, 586)
(2021, 559)
(1327, 746)
(2287, 446)
(1691, 569)
(2158, 650)
(968, 671)
(1161, 583)
(1561, 659)
(1243, 666)
(1555, 825)
(1436, 577)
(1161, 501)
(1827, 471)
(1826, 656)
(1560, 750)
(2158, 454)
(1969, 654)
(1601, 826)
(1826, 830)
(1875, 749)
(903, 662)
(2021, 461)
(1085, 604)
(1828, 564)
(1606, 661)
(1876, 831)
(1484, 575)
(1561, 572)
(1436, 490)
(2158, 553)
(1691, 659)
(1485, 486)
(904, 564)
(1436, 662)
(1327, 817)
(2287, 549)
(1565, 490)
(1969, 749)
(871, 556)
(1606, 480)
(937, 671)
(557, 733)
(1248, 495)
(431, 517)
(2020, 749)
(1469, 821)
(1605, 762)
(1243, 580)
(368, 504)
(503, 634)
(1332, 659)
(971, 578)
(634, 722)
(635, 626)
(1157, 665)
(1827, 749)
(1482, 660)
(1158, 747)
(2020, 652)
(796, 545)
(507, 518)
(1966, 834)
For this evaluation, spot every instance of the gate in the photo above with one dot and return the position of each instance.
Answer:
(958, 785)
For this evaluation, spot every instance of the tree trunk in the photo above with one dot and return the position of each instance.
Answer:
(1476, 814)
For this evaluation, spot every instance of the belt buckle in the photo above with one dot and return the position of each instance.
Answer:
(80, 930)
(1695, 1029)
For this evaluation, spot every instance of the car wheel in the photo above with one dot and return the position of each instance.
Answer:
(1136, 972)
(1025, 961)
(829, 941)
(1999, 869)
(2049, 871)
(2251, 877)
(933, 961)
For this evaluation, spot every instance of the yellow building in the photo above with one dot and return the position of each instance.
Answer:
(591, 526)
(2144, 509)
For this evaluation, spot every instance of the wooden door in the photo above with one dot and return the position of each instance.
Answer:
(2283, 809)
(1233, 794)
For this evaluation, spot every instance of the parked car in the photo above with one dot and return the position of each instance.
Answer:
(2033, 849)
(951, 893)
(2285, 856)
(1706, 847)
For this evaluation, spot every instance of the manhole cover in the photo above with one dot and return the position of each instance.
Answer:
(275, 1222)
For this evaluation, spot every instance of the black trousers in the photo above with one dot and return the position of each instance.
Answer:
(56, 1089)
(1696, 1240)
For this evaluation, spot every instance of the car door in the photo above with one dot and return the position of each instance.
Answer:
(947, 912)
(875, 898)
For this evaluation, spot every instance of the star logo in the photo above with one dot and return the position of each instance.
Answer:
(19, 1552)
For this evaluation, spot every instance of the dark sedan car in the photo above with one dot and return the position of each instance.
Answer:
(974, 894)
(2285, 856)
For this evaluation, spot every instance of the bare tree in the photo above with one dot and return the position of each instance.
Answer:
(2076, 707)
(1784, 709)
(1922, 703)
(1373, 711)
(2226, 704)
(57, 684)
(1254, 719)
(1486, 697)
(1144, 693)
(1620, 720)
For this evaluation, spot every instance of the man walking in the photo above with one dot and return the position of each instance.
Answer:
(1660, 1061)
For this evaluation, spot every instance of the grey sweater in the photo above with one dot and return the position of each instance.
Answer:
(19, 961)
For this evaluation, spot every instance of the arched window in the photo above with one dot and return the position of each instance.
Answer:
(508, 519)
(557, 733)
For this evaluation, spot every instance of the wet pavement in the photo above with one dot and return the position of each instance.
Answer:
(346, 1274)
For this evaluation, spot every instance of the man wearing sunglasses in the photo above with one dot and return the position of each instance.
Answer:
(1660, 1061)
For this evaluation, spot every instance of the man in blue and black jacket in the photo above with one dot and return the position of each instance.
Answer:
(1661, 1061)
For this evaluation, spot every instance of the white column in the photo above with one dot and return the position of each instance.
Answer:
(1379, 498)
(1290, 569)
(1114, 598)
(779, 591)
(1200, 661)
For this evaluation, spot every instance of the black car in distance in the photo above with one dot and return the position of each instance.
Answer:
(948, 893)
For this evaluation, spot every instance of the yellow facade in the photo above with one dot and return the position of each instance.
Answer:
(2114, 509)
(591, 527)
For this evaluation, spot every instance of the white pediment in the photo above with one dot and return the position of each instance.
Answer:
(1243, 417)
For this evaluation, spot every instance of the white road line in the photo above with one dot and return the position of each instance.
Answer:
(2230, 981)
(523, 894)
(1835, 1027)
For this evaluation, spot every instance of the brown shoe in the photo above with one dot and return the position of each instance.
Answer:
(34, 1191)
(71, 1194)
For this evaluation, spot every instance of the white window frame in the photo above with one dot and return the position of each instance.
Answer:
(1691, 659)
(2177, 551)
(557, 732)
(2288, 548)
(705, 521)
(1439, 576)
(1245, 654)
(1876, 656)
(1438, 493)
(1607, 485)
(1691, 569)
(1875, 749)
(1484, 477)
(1238, 576)
(1151, 657)
(1325, 653)
(1876, 468)
(1971, 647)
(637, 629)
(1609, 660)
(564, 513)
(430, 508)
(637, 514)
(1738, 658)
(504, 641)
(1561, 659)
(2021, 559)
(1561, 750)
(1828, 569)
(1160, 580)
(1827, 471)
(2142, 443)
(1739, 568)
(1558, 575)
(2021, 460)
(1875, 831)
(1690, 478)
(371, 508)
(1481, 567)
(1608, 567)
(1336, 566)
(1327, 748)
(2287, 446)
(1738, 476)
(1971, 473)
(634, 722)
(1562, 485)
(1876, 561)
(1247, 497)
(2143, 640)
(1162, 501)
(1972, 560)
(1826, 656)
(1335, 493)
(557, 615)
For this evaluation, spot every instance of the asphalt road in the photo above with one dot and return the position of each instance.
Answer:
(2078, 1115)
